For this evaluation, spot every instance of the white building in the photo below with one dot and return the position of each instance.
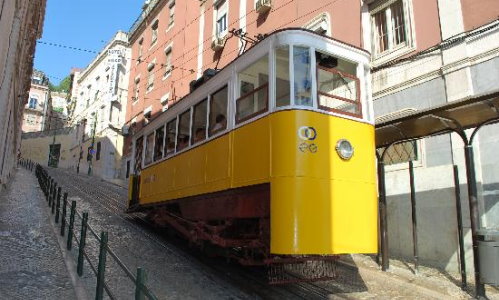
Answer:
(36, 110)
(99, 95)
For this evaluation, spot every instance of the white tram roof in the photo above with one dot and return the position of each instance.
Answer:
(288, 36)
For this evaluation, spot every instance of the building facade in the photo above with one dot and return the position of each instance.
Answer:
(99, 97)
(21, 23)
(428, 53)
(38, 106)
(58, 111)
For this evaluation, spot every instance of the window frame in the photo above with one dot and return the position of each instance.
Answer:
(259, 112)
(211, 132)
(401, 49)
(165, 145)
(35, 101)
(194, 142)
(162, 149)
(358, 95)
(221, 9)
(189, 112)
(171, 16)
(140, 49)
(168, 61)
(154, 32)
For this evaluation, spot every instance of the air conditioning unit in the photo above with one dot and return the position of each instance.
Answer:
(218, 43)
(263, 6)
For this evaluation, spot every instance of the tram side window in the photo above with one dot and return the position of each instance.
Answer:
(303, 79)
(183, 130)
(149, 148)
(199, 122)
(337, 87)
(171, 130)
(158, 144)
(218, 110)
(253, 90)
(282, 88)
(139, 147)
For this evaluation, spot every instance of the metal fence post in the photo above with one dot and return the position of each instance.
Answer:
(49, 188)
(462, 259)
(71, 225)
(139, 284)
(54, 197)
(81, 247)
(63, 217)
(414, 218)
(101, 270)
(58, 205)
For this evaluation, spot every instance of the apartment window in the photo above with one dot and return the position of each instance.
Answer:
(150, 77)
(221, 12)
(168, 62)
(147, 115)
(31, 120)
(164, 101)
(33, 102)
(390, 24)
(154, 32)
(171, 18)
(136, 90)
(141, 42)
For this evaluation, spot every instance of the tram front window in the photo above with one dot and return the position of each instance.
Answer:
(337, 87)
(282, 88)
(302, 73)
(253, 90)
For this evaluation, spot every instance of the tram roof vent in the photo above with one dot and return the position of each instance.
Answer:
(207, 74)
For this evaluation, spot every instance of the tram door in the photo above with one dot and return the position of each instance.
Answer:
(54, 154)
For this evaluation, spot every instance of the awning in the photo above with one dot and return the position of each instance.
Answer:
(459, 115)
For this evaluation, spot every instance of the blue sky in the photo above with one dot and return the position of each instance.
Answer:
(86, 24)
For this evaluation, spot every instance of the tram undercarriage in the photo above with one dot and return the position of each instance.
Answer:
(236, 224)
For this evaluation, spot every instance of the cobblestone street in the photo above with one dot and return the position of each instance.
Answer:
(33, 266)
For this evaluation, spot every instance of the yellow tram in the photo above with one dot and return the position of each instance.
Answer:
(272, 156)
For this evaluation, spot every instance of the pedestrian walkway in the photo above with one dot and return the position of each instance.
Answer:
(31, 262)
(430, 283)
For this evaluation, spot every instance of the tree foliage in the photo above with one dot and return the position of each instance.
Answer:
(63, 85)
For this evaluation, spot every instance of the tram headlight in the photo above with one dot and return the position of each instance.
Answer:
(344, 149)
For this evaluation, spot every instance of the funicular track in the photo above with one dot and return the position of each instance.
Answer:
(253, 281)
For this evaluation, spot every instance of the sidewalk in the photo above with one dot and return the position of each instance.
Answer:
(32, 265)
(430, 283)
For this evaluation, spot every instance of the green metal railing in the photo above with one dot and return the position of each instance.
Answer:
(53, 196)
